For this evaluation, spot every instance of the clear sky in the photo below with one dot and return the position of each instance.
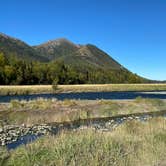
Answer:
(132, 31)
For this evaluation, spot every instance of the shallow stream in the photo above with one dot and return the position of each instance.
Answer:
(106, 124)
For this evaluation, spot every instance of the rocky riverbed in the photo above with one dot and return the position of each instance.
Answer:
(12, 133)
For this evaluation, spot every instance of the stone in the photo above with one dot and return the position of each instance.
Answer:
(1, 130)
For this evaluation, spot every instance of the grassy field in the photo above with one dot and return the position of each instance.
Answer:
(31, 89)
(131, 144)
(47, 110)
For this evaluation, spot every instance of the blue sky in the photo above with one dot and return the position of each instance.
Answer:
(132, 31)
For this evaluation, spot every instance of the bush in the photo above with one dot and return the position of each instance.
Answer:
(55, 85)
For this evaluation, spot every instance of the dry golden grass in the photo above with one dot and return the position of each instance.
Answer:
(30, 89)
(112, 87)
(25, 89)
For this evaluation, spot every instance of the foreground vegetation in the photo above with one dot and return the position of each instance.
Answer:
(46, 111)
(34, 89)
(133, 143)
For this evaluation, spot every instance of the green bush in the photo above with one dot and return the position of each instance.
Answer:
(55, 84)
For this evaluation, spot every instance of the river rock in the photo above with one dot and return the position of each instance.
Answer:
(1, 130)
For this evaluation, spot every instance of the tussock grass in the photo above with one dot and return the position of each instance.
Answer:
(155, 102)
(52, 110)
(68, 102)
(132, 144)
(38, 104)
(32, 89)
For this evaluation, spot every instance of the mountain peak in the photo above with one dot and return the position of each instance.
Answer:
(62, 40)
(57, 48)
(58, 42)
(2, 35)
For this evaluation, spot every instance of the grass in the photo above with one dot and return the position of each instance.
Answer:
(132, 144)
(25, 89)
(49, 110)
(33, 89)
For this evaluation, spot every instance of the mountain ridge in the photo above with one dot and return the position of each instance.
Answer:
(60, 48)
(88, 53)
(15, 47)
(87, 61)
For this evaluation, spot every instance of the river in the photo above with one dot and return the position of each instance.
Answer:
(87, 96)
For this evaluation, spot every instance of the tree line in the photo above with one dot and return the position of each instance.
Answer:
(14, 71)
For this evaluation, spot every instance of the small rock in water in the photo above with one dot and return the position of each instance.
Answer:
(104, 129)
(137, 117)
(130, 117)
(112, 121)
(1, 130)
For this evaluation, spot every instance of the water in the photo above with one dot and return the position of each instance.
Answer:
(100, 125)
(88, 96)
(22, 141)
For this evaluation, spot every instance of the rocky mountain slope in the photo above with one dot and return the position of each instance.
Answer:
(75, 54)
(14, 47)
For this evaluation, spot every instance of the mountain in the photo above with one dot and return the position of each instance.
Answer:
(54, 49)
(60, 49)
(13, 47)
(83, 63)
(76, 55)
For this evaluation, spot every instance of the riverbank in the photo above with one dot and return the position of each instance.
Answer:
(132, 143)
(11, 135)
(48, 110)
(39, 89)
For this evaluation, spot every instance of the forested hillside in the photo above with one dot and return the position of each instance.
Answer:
(17, 71)
(60, 61)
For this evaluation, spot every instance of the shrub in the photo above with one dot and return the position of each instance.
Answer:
(55, 84)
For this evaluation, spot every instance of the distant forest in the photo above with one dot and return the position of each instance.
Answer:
(15, 71)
